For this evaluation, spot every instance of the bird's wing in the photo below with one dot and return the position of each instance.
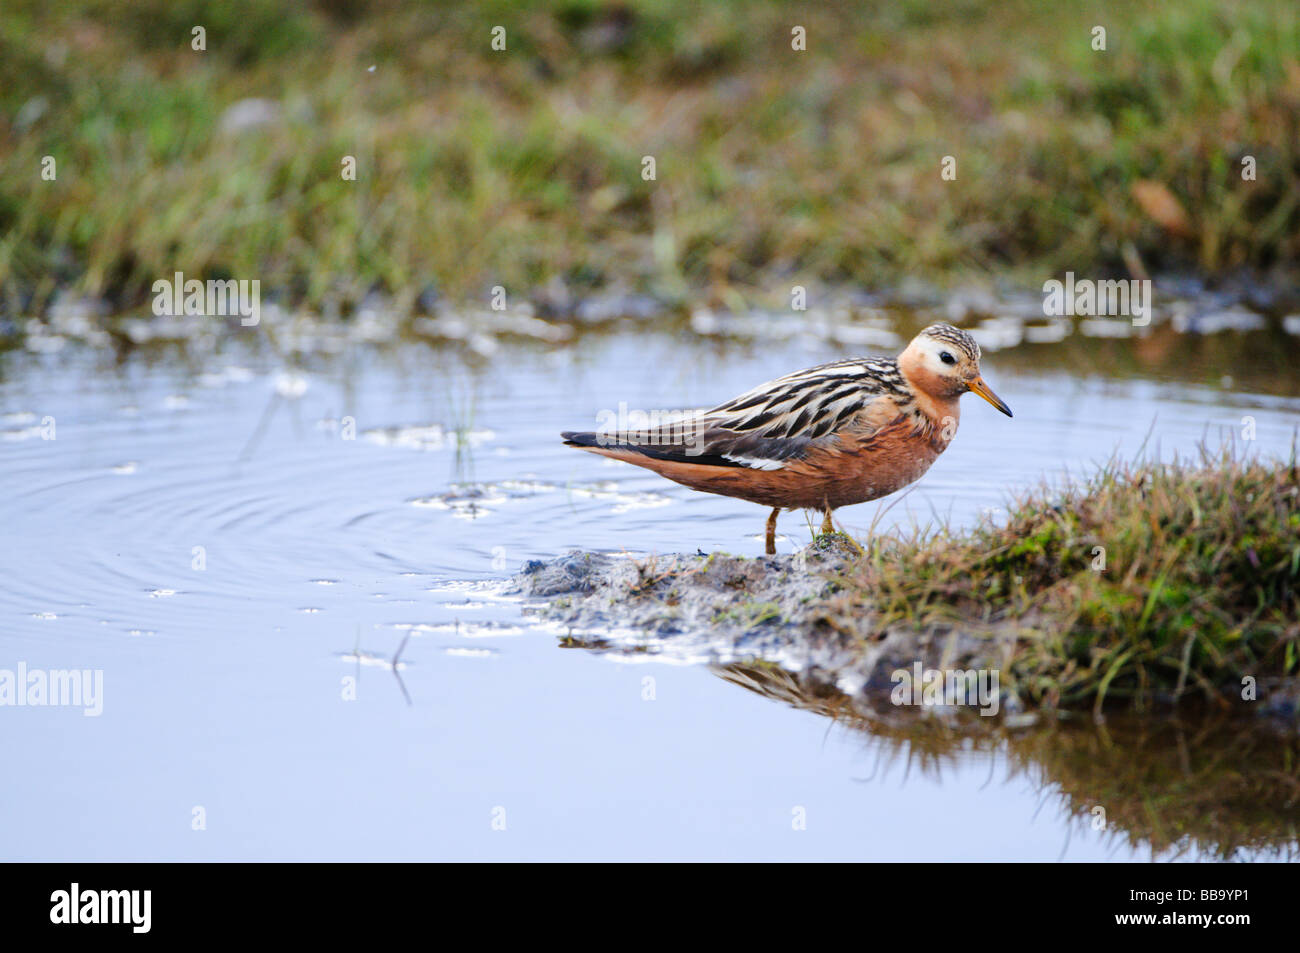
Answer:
(781, 420)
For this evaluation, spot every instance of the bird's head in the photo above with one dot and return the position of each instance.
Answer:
(944, 363)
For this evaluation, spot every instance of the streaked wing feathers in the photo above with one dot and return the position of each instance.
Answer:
(809, 404)
(777, 421)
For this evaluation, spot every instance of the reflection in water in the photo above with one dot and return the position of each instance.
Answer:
(1207, 785)
(1261, 362)
(395, 664)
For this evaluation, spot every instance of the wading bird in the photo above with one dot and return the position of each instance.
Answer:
(840, 433)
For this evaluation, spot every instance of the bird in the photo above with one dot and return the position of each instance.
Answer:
(845, 432)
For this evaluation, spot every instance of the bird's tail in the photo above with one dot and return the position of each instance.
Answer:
(579, 438)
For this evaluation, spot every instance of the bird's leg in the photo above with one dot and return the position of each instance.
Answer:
(827, 528)
(771, 531)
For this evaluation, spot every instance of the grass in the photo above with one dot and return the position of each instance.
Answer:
(751, 614)
(523, 168)
(1148, 583)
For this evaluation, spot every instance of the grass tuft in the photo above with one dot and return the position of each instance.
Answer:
(1147, 583)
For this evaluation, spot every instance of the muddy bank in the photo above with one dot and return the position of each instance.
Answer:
(718, 608)
(721, 609)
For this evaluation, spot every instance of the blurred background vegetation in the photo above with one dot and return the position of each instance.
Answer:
(523, 168)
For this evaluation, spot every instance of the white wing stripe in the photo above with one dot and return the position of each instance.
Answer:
(754, 463)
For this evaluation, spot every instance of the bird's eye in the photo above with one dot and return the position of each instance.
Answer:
(947, 358)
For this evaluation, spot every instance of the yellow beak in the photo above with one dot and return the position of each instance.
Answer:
(979, 387)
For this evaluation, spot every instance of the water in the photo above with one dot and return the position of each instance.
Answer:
(238, 545)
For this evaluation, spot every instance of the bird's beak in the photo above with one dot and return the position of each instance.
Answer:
(981, 388)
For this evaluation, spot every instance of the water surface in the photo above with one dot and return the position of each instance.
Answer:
(239, 541)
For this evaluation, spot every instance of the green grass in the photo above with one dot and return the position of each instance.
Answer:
(1200, 586)
(520, 168)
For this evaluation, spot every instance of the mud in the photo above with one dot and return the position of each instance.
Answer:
(718, 608)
